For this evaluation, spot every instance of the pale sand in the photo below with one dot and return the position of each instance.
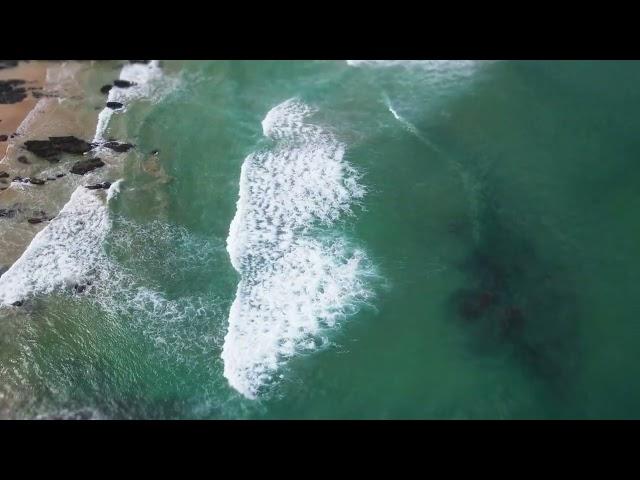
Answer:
(12, 115)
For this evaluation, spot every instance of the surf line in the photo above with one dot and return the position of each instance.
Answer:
(70, 248)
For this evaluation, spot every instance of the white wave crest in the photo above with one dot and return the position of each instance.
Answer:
(292, 285)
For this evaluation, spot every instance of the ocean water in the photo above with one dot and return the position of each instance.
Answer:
(341, 239)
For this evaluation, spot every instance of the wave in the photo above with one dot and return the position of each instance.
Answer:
(293, 286)
(64, 253)
(148, 81)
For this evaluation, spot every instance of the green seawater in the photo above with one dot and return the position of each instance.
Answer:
(499, 225)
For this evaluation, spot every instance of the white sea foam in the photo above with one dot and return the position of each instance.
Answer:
(427, 65)
(149, 83)
(293, 285)
(65, 253)
(114, 190)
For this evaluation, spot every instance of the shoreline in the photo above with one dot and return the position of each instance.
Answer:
(55, 104)
(59, 149)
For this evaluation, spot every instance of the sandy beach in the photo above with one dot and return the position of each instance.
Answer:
(53, 104)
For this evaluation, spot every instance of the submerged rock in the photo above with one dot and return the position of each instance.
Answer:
(140, 61)
(4, 174)
(34, 220)
(36, 181)
(23, 159)
(118, 147)
(7, 213)
(3, 138)
(105, 89)
(85, 166)
(19, 303)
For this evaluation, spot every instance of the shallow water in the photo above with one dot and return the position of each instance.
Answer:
(491, 206)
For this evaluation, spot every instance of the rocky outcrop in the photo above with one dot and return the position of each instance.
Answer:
(85, 166)
(49, 149)
(118, 147)
(12, 91)
(99, 186)
(114, 105)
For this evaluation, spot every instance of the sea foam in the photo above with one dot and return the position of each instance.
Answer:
(146, 84)
(294, 285)
(64, 253)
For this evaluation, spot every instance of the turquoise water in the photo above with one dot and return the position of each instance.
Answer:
(496, 226)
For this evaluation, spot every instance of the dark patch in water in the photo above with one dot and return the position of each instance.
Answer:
(516, 299)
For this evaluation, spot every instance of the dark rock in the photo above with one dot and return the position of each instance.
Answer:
(114, 105)
(85, 166)
(17, 179)
(105, 89)
(155, 152)
(33, 221)
(12, 91)
(3, 138)
(123, 83)
(3, 174)
(140, 61)
(99, 186)
(70, 144)
(57, 145)
(60, 175)
(19, 303)
(51, 179)
(8, 63)
(23, 159)
(36, 181)
(118, 147)
(79, 288)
